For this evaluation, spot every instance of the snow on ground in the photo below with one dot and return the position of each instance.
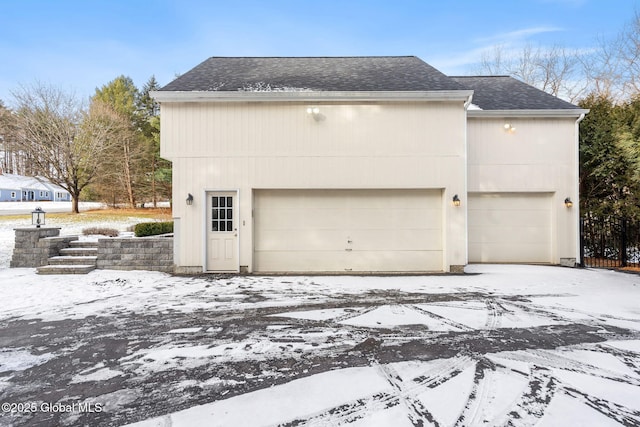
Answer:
(526, 345)
(483, 389)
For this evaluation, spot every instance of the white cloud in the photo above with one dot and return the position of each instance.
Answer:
(516, 36)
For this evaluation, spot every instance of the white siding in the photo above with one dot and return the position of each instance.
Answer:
(539, 157)
(247, 146)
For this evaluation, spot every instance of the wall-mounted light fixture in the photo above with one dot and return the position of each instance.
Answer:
(456, 200)
(38, 217)
(508, 127)
(568, 203)
(189, 200)
(315, 112)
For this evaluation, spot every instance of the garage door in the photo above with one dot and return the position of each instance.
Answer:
(510, 227)
(347, 230)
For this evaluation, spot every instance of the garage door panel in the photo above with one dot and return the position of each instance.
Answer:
(347, 230)
(510, 227)
(511, 253)
(508, 218)
(504, 235)
(299, 261)
(360, 261)
(276, 240)
(392, 260)
(416, 239)
(510, 201)
(299, 219)
(333, 218)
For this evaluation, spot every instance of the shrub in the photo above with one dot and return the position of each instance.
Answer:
(109, 232)
(153, 228)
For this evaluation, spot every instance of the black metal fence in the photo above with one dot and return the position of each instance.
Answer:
(609, 242)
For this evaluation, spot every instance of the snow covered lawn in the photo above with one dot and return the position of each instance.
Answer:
(524, 345)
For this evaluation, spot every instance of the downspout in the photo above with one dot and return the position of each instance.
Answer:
(577, 189)
(468, 102)
(466, 178)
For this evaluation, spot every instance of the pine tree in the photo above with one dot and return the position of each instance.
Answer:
(124, 168)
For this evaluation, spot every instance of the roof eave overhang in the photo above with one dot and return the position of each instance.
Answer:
(577, 112)
(310, 96)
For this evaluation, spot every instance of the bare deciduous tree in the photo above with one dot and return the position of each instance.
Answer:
(63, 139)
(12, 160)
(629, 56)
(552, 69)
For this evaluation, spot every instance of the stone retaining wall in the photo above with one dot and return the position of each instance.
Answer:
(34, 246)
(146, 253)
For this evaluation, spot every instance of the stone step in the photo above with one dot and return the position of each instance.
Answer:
(93, 251)
(83, 244)
(65, 269)
(73, 260)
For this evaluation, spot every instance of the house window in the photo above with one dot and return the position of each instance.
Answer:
(221, 213)
(13, 194)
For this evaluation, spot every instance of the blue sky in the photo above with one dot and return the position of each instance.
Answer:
(81, 45)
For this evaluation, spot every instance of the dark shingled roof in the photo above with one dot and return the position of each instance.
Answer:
(507, 93)
(351, 74)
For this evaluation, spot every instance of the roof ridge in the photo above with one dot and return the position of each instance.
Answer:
(481, 75)
(314, 57)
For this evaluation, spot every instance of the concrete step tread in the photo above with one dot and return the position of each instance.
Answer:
(78, 251)
(83, 244)
(70, 259)
(65, 269)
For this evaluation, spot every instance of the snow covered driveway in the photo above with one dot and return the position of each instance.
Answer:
(502, 345)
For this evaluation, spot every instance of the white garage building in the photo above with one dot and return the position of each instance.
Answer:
(365, 164)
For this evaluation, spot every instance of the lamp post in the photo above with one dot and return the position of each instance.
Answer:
(38, 217)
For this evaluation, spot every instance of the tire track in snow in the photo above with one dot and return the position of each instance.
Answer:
(629, 358)
(621, 414)
(417, 412)
(494, 316)
(439, 318)
(532, 404)
(472, 414)
(403, 391)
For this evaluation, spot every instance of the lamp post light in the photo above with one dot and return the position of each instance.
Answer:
(38, 217)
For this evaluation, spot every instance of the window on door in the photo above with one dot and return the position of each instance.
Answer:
(221, 213)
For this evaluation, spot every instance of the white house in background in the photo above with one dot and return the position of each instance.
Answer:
(365, 164)
(19, 188)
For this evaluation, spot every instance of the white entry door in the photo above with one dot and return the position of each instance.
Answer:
(222, 231)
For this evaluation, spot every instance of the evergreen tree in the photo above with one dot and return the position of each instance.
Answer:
(123, 169)
(608, 159)
(159, 176)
